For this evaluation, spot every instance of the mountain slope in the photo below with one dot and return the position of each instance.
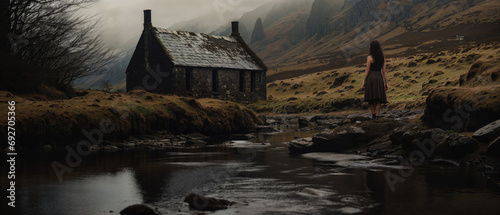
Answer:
(337, 32)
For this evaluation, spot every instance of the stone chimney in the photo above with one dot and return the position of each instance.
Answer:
(236, 30)
(147, 37)
(147, 18)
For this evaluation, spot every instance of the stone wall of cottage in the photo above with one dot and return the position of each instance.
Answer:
(228, 84)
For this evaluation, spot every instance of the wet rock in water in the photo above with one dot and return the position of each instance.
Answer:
(405, 133)
(244, 144)
(334, 157)
(138, 209)
(329, 122)
(109, 148)
(456, 146)
(192, 142)
(446, 162)
(270, 121)
(354, 161)
(301, 146)
(337, 140)
(428, 138)
(265, 129)
(494, 148)
(315, 193)
(414, 136)
(203, 203)
(488, 133)
(197, 136)
(356, 118)
(350, 210)
(305, 121)
(350, 136)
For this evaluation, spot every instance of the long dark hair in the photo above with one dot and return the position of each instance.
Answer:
(376, 52)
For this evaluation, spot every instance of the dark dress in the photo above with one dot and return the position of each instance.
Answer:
(374, 84)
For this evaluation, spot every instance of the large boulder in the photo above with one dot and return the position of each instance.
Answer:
(406, 133)
(338, 140)
(416, 137)
(353, 135)
(301, 146)
(203, 203)
(305, 121)
(488, 133)
(457, 146)
(462, 108)
(138, 209)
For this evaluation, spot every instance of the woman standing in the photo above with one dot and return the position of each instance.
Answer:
(375, 81)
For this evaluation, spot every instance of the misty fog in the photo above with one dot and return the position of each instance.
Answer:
(121, 20)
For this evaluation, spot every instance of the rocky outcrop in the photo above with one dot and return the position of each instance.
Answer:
(462, 108)
(340, 80)
(457, 146)
(258, 32)
(387, 136)
(416, 137)
(301, 146)
(203, 203)
(488, 133)
(345, 137)
(318, 23)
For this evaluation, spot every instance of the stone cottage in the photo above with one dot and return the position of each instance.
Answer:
(196, 65)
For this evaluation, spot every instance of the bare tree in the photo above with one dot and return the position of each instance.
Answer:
(57, 38)
(4, 26)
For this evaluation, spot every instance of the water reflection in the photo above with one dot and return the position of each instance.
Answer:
(269, 183)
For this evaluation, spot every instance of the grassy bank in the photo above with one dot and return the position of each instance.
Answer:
(117, 116)
(411, 80)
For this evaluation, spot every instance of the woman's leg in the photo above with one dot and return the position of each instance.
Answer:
(372, 108)
(377, 108)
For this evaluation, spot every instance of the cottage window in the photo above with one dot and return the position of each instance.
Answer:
(189, 79)
(242, 81)
(215, 80)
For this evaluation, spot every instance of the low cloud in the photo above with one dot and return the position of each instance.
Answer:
(122, 20)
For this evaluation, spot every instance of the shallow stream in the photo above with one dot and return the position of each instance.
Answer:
(262, 180)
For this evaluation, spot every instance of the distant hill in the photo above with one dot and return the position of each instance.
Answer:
(115, 75)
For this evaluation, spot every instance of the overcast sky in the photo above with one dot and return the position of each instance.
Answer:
(122, 20)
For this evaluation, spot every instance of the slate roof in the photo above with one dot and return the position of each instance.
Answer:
(203, 50)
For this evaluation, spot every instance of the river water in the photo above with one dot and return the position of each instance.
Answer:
(262, 180)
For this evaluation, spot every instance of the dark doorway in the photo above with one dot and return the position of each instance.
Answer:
(215, 80)
(189, 79)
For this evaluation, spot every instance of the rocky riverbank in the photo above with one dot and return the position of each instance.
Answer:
(396, 141)
(116, 120)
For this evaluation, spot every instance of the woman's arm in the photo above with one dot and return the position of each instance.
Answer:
(367, 70)
(384, 73)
